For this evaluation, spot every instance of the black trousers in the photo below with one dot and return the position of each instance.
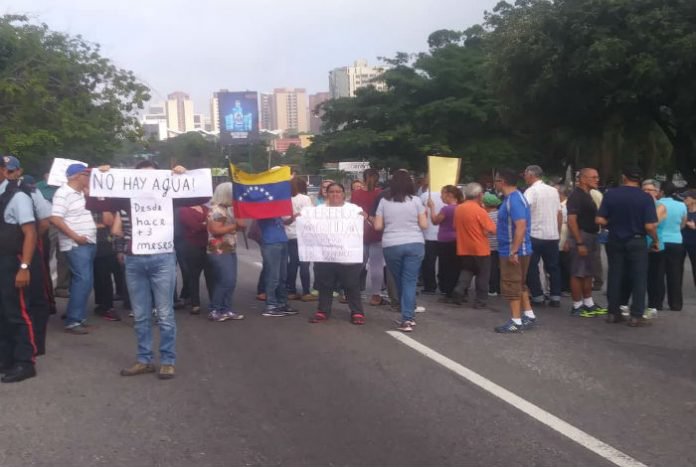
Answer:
(328, 275)
(449, 266)
(564, 262)
(16, 329)
(480, 267)
(37, 302)
(628, 261)
(690, 250)
(674, 275)
(494, 282)
(104, 268)
(428, 266)
(196, 259)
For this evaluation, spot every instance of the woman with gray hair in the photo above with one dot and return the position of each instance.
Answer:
(222, 256)
(656, 259)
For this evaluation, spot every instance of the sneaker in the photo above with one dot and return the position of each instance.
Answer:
(111, 315)
(214, 315)
(166, 372)
(288, 310)
(405, 326)
(131, 314)
(76, 329)
(220, 316)
(309, 298)
(234, 316)
(138, 369)
(419, 309)
(508, 328)
(274, 313)
(650, 313)
(581, 312)
(596, 310)
(625, 311)
(492, 294)
(527, 322)
(195, 310)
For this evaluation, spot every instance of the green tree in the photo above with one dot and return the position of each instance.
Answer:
(60, 97)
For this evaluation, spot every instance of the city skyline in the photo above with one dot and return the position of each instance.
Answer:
(199, 49)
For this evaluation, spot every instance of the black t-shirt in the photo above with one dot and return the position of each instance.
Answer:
(627, 209)
(581, 204)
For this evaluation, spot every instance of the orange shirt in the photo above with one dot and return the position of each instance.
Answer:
(472, 223)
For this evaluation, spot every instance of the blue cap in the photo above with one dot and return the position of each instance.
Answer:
(74, 169)
(10, 163)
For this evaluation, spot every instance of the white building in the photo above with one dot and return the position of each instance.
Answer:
(155, 123)
(344, 81)
(179, 109)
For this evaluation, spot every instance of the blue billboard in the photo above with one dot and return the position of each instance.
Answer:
(238, 116)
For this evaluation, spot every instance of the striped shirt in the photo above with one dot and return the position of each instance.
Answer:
(493, 237)
(545, 204)
(70, 205)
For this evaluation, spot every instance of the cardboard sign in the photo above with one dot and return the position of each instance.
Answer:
(153, 226)
(56, 177)
(330, 234)
(131, 183)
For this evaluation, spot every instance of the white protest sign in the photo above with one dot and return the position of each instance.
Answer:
(153, 226)
(330, 234)
(130, 183)
(56, 177)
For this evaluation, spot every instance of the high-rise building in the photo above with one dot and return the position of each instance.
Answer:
(198, 122)
(155, 123)
(315, 113)
(290, 109)
(215, 112)
(344, 81)
(267, 112)
(179, 113)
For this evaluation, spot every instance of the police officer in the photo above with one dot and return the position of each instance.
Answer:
(17, 244)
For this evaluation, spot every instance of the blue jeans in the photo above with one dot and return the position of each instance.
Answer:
(293, 264)
(275, 266)
(81, 262)
(404, 262)
(224, 268)
(548, 251)
(151, 276)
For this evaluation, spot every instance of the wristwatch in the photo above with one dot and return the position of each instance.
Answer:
(24, 266)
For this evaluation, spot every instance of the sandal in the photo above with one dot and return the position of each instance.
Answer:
(318, 317)
(357, 319)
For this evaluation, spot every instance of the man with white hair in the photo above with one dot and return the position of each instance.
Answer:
(472, 224)
(78, 238)
(547, 219)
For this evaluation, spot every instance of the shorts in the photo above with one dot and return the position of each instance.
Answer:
(582, 266)
(513, 277)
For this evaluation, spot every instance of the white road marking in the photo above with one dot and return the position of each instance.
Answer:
(574, 434)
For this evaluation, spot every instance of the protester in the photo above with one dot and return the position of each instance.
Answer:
(514, 249)
(672, 242)
(689, 231)
(321, 196)
(274, 250)
(300, 200)
(105, 265)
(222, 256)
(472, 225)
(346, 274)
(373, 257)
(428, 268)
(17, 244)
(78, 238)
(356, 185)
(194, 241)
(656, 259)
(564, 255)
(490, 204)
(629, 214)
(402, 218)
(582, 244)
(545, 206)
(443, 218)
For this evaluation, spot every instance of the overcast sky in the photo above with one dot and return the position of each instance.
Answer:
(200, 46)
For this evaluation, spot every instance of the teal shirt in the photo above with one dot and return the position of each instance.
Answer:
(671, 226)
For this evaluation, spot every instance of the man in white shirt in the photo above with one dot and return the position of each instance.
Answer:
(547, 219)
(428, 268)
(78, 238)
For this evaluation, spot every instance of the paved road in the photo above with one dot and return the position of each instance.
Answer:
(279, 391)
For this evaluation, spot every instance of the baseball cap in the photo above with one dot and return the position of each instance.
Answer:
(632, 172)
(689, 194)
(489, 199)
(10, 163)
(74, 169)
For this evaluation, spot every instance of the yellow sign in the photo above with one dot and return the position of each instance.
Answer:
(443, 171)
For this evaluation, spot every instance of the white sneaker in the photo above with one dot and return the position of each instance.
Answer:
(625, 310)
(650, 313)
(420, 309)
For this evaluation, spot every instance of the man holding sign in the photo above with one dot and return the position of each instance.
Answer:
(331, 236)
(147, 196)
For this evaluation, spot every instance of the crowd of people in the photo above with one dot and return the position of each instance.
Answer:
(496, 237)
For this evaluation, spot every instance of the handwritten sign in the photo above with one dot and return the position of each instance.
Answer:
(330, 234)
(56, 177)
(153, 226)
(128, 183)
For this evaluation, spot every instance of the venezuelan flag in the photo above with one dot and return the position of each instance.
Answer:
(263, 195)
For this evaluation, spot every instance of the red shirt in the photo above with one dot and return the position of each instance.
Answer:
(366, 200)
(194, 225)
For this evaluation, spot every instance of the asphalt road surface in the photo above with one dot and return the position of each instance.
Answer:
(279, 391)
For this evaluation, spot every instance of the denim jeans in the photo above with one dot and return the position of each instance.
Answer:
(275, 266)
(151, 276)
(224, 269)
(293, 264)
(548, 251)
(404, 262)
(628, 260)
(81, 261)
